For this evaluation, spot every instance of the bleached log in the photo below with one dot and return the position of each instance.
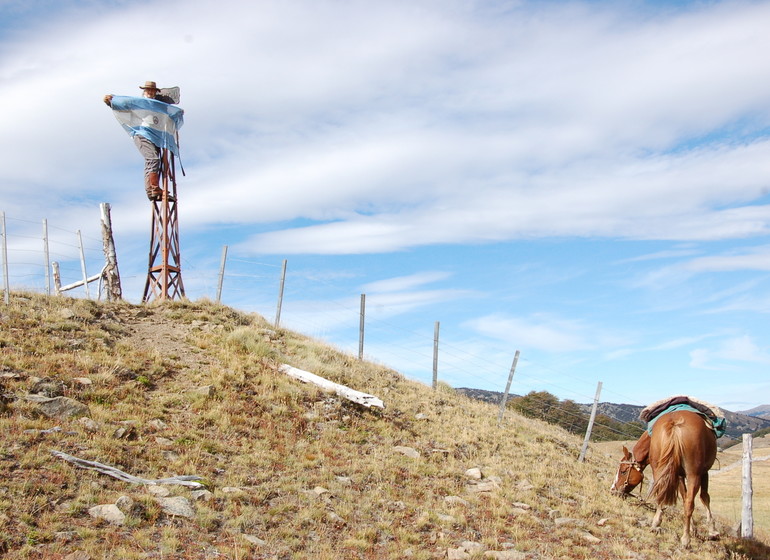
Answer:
(363, 399)
(184, 480)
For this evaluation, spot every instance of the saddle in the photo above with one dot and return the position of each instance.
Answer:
(713, 415)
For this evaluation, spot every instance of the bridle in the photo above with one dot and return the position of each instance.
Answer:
(634, 465)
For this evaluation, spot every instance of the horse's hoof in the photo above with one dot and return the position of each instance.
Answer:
(714, 536)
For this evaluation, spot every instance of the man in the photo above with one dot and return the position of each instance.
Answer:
(148, 149)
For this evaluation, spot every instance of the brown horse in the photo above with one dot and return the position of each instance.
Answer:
(681, 450)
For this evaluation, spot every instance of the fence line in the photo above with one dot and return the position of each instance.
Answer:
(447, 349)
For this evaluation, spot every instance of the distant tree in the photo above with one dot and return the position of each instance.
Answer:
(570, 416)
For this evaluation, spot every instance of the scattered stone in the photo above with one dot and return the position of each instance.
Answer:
(602, 522)
(253, 539)
(524, 485)
(164, 442)
(521, 505)
(206, 391)
(63, 407)
(170, 456)
(588, 537)
(472, 547)
(410, 452)
(201, 495)
(48, 388)
(489, 486)
(444, 518)
(319, 491)
(334, 518)
(158, 424)
(89, 425)
(176, 505)
(456, 501)
(457, 554)
(126, 432)
(565, 521)
(65, 536)
(474, 473)
(232, 490)
(108, 512)
(345, 480)
(125, 504)
(82, 381)
(160, 491)
(420, 416)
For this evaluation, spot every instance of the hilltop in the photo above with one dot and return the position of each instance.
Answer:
(287, 470)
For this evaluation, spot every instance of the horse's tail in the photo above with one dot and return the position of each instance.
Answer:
(666, 486)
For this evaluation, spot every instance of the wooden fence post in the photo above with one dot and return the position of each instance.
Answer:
(507, 387)
(221, 273)
(111, 274)
(747, 515)
(361, 323)
(582, 456)
(280, 295)
(435, 355)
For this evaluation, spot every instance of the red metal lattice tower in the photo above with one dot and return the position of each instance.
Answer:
(164, 273)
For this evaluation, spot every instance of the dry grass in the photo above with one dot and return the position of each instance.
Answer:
(267, 445)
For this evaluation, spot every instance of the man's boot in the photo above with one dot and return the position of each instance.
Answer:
(152, 186)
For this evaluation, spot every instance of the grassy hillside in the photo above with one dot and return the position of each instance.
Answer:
(290, 471)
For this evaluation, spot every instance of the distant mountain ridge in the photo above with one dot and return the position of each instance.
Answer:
(738, 423)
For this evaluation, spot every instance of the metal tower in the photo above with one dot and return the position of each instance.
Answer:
(164, 273)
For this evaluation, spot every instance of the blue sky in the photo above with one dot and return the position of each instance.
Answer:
(586, 182)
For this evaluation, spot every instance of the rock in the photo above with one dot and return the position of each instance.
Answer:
(444, 518)
(48, 388)
(253, 539)
(157, 424)
(63, 407)
(565, 521)
(456, 501)
(408, 451)
(164, 442)
(602, 522)
(82, 381)
(319, 491)
(345, 480)
(125, 504)
(474, 473)
(176, 505)
(524, 485)
(335, 519)
(206, 390)
(457, 554)
(521, 505)
(201, 495)
(160, 491)
(490, 486)
(108, 512)
(588, 537)
(472, 547)
(89, 425)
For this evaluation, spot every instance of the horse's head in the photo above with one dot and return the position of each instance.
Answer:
(629, 474)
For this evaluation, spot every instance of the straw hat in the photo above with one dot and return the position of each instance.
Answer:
(149, 85)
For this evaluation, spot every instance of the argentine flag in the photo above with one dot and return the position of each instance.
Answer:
(153, 119)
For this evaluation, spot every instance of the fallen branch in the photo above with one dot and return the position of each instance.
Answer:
(184, 480)
(351, 394)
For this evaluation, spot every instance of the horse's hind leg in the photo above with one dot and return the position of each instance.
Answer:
(706, 499)
(690, 492)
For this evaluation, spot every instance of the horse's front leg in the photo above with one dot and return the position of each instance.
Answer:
(657, 519)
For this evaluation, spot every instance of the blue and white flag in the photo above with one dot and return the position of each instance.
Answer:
(153, 119)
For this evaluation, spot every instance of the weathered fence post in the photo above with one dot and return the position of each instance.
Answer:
(582, 456)
(83, 264)
(280, 296)
(6, 283)
(111, 273)
(221, 273)
(361, 323)
(747, 515)
(435, 355)
(507, 387)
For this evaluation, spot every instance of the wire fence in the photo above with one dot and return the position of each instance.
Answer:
(30, 247)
